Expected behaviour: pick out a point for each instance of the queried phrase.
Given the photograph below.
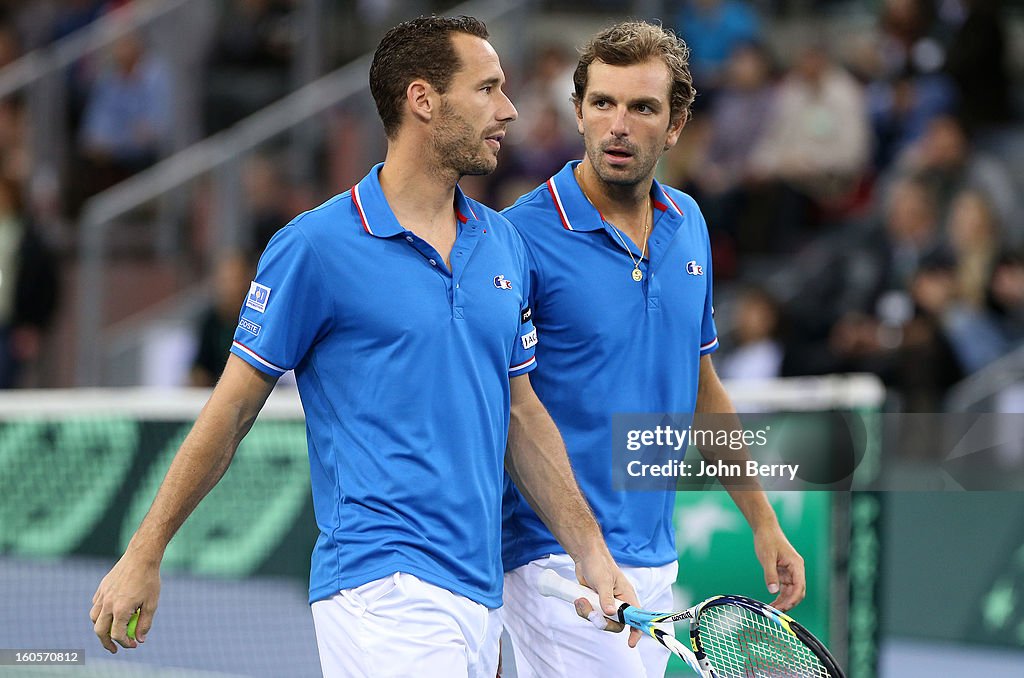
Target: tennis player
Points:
(621, 293)
(402, 307)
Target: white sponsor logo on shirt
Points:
(258, 297)
(250, 327)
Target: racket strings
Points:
(743, 644)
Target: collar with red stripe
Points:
(375, 212)
(578, 214)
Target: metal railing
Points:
(42, 74)
(222, 155)
(98, 35)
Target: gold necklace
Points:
(637, 274)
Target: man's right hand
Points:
(600, 573)
(133, 583)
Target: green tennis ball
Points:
(132, 623)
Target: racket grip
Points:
(552, 585)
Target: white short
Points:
(401, 626)
(550, 639)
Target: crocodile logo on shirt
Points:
(501, 283)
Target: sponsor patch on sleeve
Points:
(258, 297)
(525, 315)
(529, 339)
(250, 327)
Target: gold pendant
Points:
(638, 275)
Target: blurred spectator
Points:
(39, 188)
(817, 134)
(906, 344)
(974, 238)
(255, 34)
(737, 119)
(217, 324)
(907, 41)
(758, 352)
(250, 61)
(977, 62)
(14, 154)
(349, 138)
(973, 335)
(548, 137)
(548, 89)
(1006, 296)
(10, 43)
(924, 364)
(902, 108)
(713, 29)
(856, 304)
(28, 287)
(888, 261)
(945, 159)
(900, 305)
(543, 150)
(814, 149)
(128, 116)
(902, 95)
(267, 199)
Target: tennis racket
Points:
(730, 636)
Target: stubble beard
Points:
(643, 167)
(622, 183)
(457, 146)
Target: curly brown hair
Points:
(634, 42)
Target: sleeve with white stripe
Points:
(523, 359)
(708, 331)
(286, 308)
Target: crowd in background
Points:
(862, 193)
(864, 210)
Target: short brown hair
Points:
(634, 42)
(417, 49)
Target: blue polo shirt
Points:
(403, 369)
(609, 345)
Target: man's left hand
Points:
(783, 567)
